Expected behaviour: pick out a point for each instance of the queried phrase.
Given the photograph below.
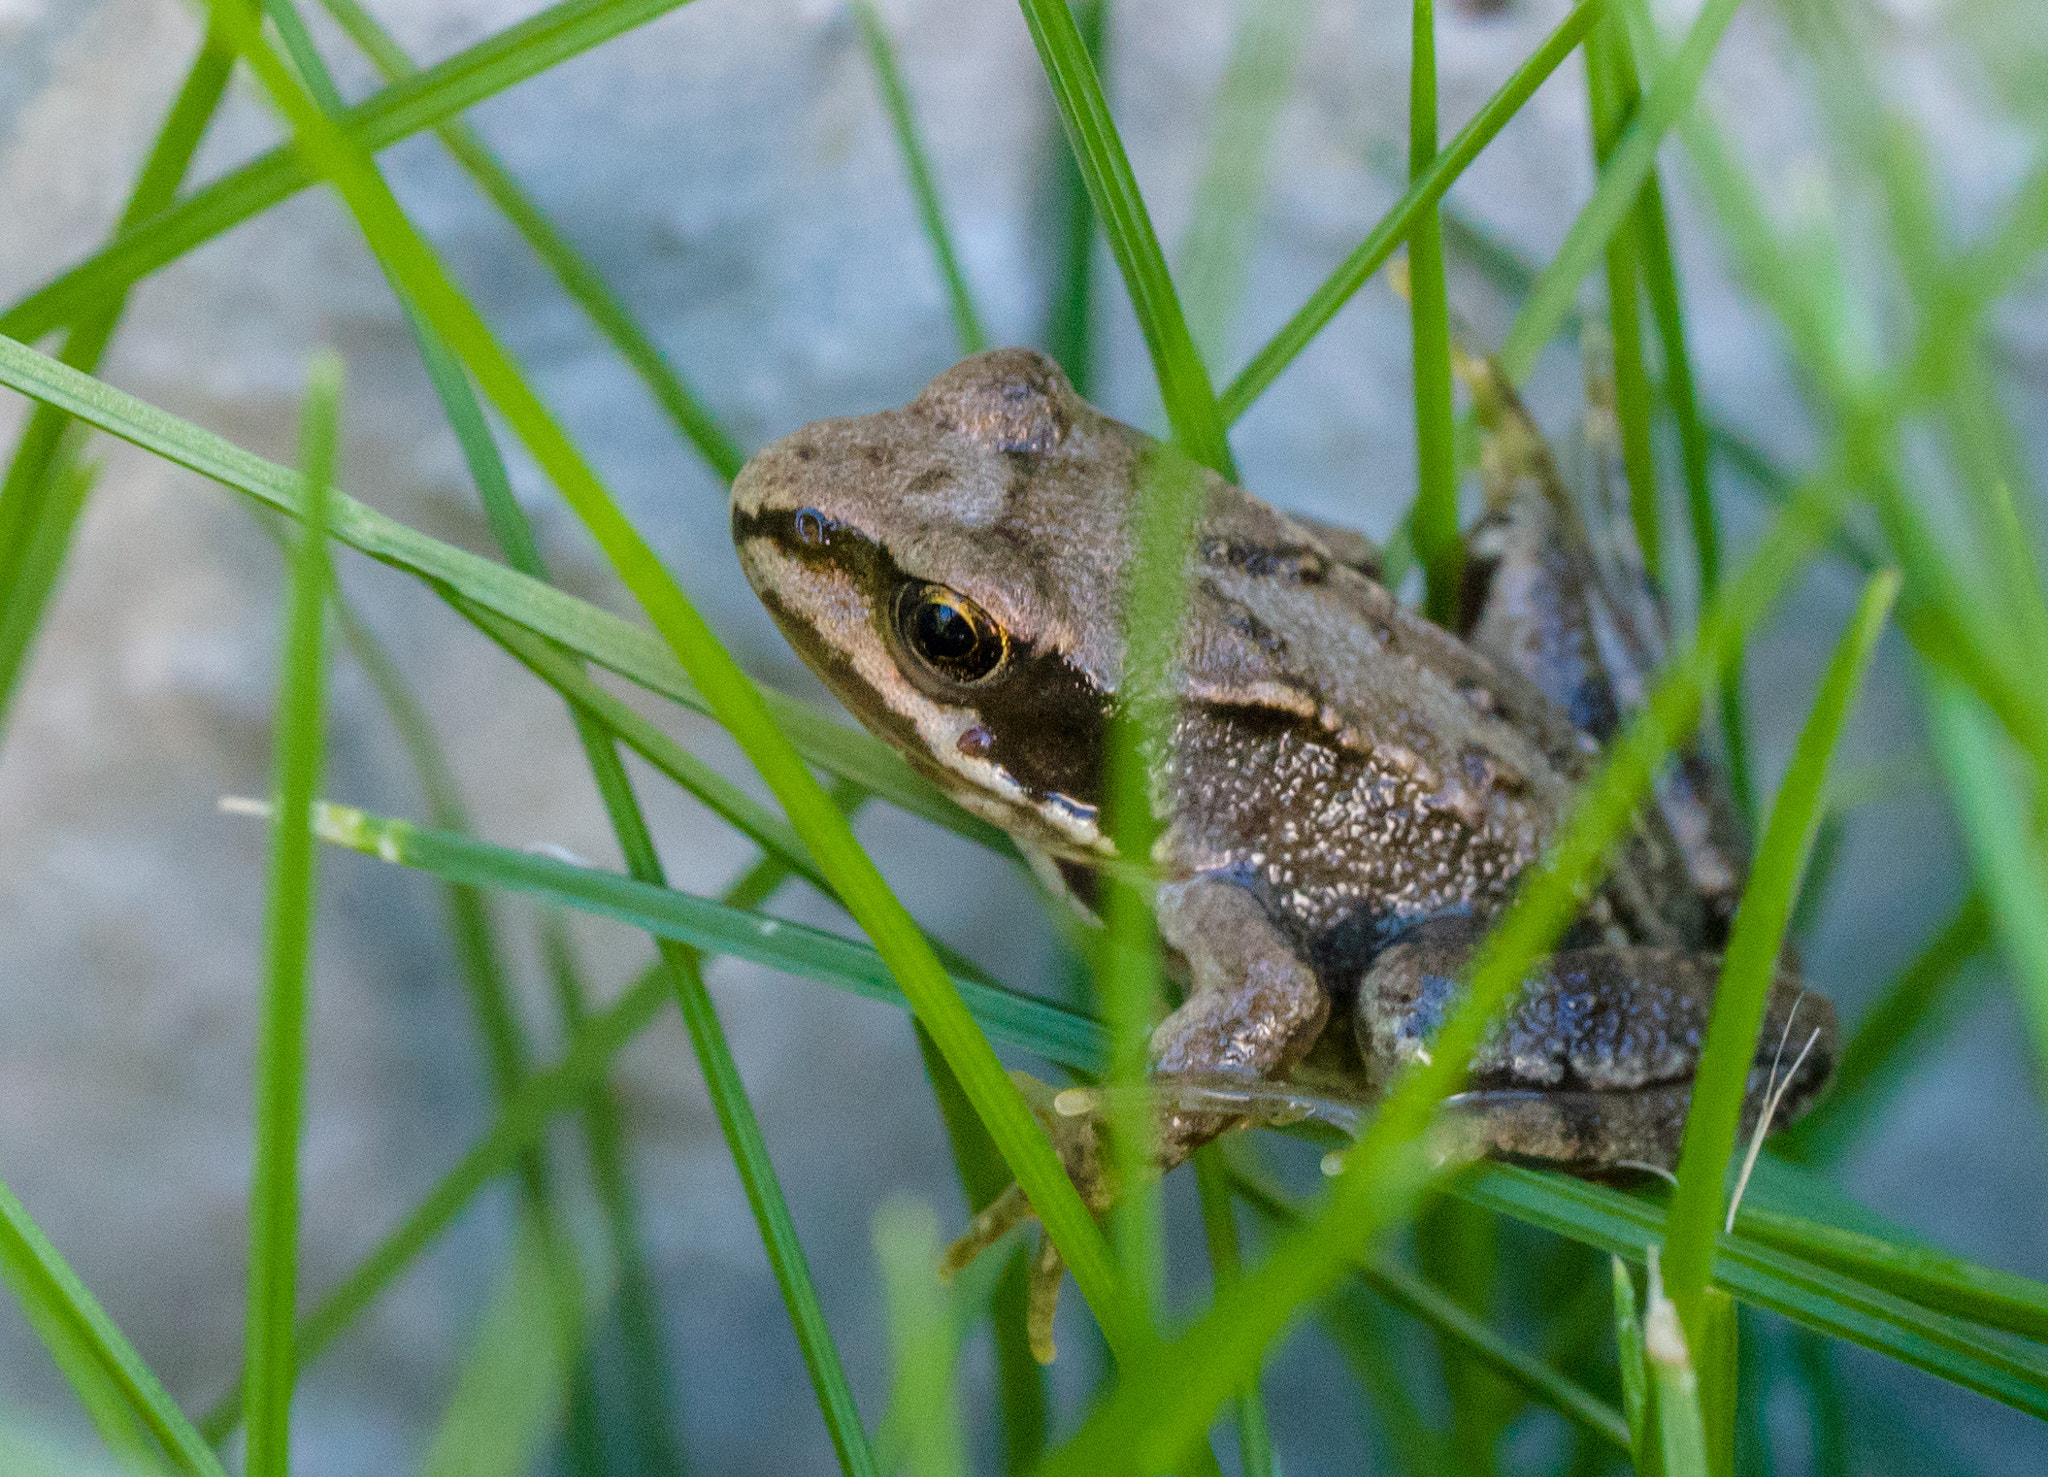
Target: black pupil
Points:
(954, 636)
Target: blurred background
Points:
(730, 171)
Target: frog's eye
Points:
(950, 634)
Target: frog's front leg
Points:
(1592, 1067)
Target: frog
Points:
(1346, 794)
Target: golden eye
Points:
(950, 634)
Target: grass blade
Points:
(494, 64)
(1070, 306)
(924, 189)
(1219, 1227)
(513, 1384)
(1635, 1375)
(649, 1369)
(1091, 134)
(1895, 1033)
(1023, 1020)
(921, 1334)
(1371, 254)
(1611, 87)
(1670, 94)
(606, 310)
(1434, 521)
(1681, 1437)
(1215, 253)
(1750, 964)
(2003, 838)
(281, 1032)
(80, 1335)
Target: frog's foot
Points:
(1591, 1069)
(1077, 1138)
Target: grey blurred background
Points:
(729, 170)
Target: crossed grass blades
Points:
(1969, 604)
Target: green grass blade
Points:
(1219, 1229)
(1670, 94)
(1370, 254)
(576, 625)
(1023, 1020)
(1611, 86)
(42, 495)
(2004, 842)
(1635, 1375)
(79, 1334)
(1091, 133)
(1070, 305)
(1215, 253)
(1749, 967)
(920, 1333)
(1667, 307)
(281, 1031)
(606, 310)
(1894, 1035)
(649, 1367)
(511, 1389)
(924, 189)
(440, 92)
(1434, 521)
(1157, 1413)
(1782, 1280)
(734, 699)
(1681, 1436)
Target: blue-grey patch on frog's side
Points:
(1041, 718)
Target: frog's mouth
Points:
(1024, 749)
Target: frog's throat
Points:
(1024, 754)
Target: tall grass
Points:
(1889, 385)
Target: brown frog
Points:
(1347, 792)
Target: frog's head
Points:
(952, 571)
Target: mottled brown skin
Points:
(1348, 792)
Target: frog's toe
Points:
(1048, 1272)
(985, 1230)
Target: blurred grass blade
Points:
(1434, 520)
(2002, 828)
(1895, 1034)
(967, 330)
(1216, 250)
(1717, 1367)
(649, 1375)
(907, 1246)
(1226, 1265)
(513, 1383)
(606, 310)
(93, 1354)
(1749, 968)
(492, 65)
(1634, 154)
(1091, 133)
(576, 625)
(1371, 254)
(1159, 1411)
(1024, 1020)
(45, 488)
(288, 946)
(735, 700)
